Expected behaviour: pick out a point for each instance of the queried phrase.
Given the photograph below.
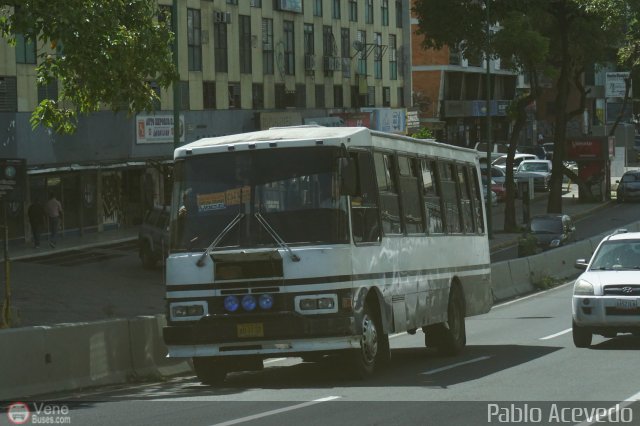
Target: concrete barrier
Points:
(521, 276)
(148, 352)
(43, 359)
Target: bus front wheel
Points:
(370, 344)
(449, 338)
(210, 370)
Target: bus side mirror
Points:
(348, 176)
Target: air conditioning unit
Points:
(332, 63)
(222, 17)
(337, 64)
(309, 62)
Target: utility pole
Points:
(176, 84)
(489, 130)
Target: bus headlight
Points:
(231, 303)
(249, 303)
(316, 304)
(188, 311)
(265, 301)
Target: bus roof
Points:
(307, 135)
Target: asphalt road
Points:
(520, 356)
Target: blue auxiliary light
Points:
(249, 302)
(231, 303)
(265, 301)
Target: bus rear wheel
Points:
(210, 370)
(449, 338)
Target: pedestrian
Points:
(54, 212)
(37, 218)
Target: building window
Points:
(25, 50)
(50, 91)
(393, 57)
(345, 42)
(256, 3)
(289, 49)
(267, 46)
(371, 96)
(234, 96)
(53, 91)
(320, 96)
(384, 13)
(353, 11)
(398, 14)
(185, 104)
(280, 96)
(362, 57)
(194, 41)
(257, 94)
(455, 57)
(355, 97)
(232, 1)
(368, 12)
(245, 44)
(338, 102)
(400, 101)
(317, 7)
(377, 59)
(220, 47)
(209, 95)
(8, 94)
(301, 96)
(335, 9)
(386, 96)
(309, 48)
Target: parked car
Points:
(497, 188)
(538, 170)
(494, 196)
(497, 150)
(546, 232)
(153, 236)
(628, 187)
(497, 174)
(501, 161)
(605, 296)
(537, 150)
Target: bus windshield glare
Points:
(295, 190)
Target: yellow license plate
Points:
(250, 330)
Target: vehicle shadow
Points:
(621, 342)
(409, 367)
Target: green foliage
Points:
(546, 282)
(527, 245)
(101, 53)
(423, 133)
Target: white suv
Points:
(606, 297)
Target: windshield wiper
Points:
(220, 236)
(262, 221)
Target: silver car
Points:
(606, 297)
(538, 170)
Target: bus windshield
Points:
(294, 190)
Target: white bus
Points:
(306, 241)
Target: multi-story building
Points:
(451, 91)
(243, 64)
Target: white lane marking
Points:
(615, 409)
(278, 411)
(448, 367)
(560, 333)
(269, 361)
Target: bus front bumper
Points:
(255, 335)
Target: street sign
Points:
(615, 84)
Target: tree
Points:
(101, 52)
(556, 38)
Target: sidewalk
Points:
(570, 206)
(68, 242)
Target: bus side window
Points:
(364, 208)
(477, 201)
(465, 200)
(431, 194)
(450, 196)
(410, 195)
(388, 190)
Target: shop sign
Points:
(157, 129)
(13, 177)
